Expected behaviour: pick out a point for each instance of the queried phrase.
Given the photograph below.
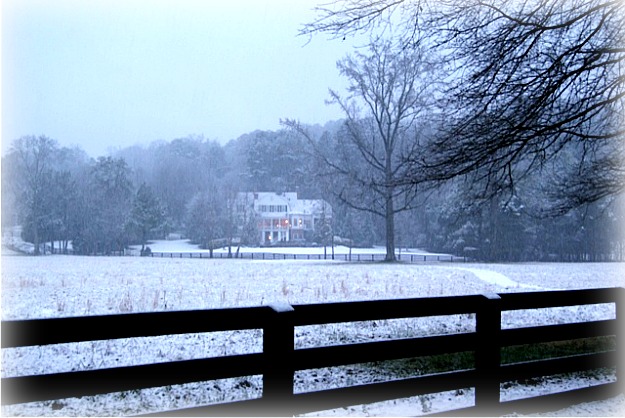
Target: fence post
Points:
(488, 353)
(278, 346)
(620, 338)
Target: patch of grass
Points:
(532, 352)
(513, 354)
(419, 366)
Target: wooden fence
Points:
(407, 257)
(279, 358)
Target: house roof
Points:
(295, 206)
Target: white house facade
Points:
(282, 217)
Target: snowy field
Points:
(60, 286)
(184, 246)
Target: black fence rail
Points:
(411, 258)
(279, 359)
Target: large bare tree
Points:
(533, 78)
(34, 159)
(388, 90)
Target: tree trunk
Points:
(390, 227)
(494, 252)
(390, 207)
(36, 239)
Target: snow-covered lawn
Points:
(187, 249)
(59, 286)
(184, 245)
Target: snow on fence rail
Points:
(279, 359)
(412, 258)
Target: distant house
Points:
(282, 217)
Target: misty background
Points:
(107, 74)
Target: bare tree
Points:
(34, 160)
(532, 77)
(205, 218)
(387, 92)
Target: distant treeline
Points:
(188, 185)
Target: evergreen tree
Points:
(147, 216)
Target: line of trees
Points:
(103, 205)
(58, 195)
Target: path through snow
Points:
(498, 279)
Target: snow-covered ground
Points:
(185, 247)
(59, 286)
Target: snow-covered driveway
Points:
(500, 280)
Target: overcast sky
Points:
(103, 74)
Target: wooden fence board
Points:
(328, 313)
(95, 382)
(546, 299)
(106, 327)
